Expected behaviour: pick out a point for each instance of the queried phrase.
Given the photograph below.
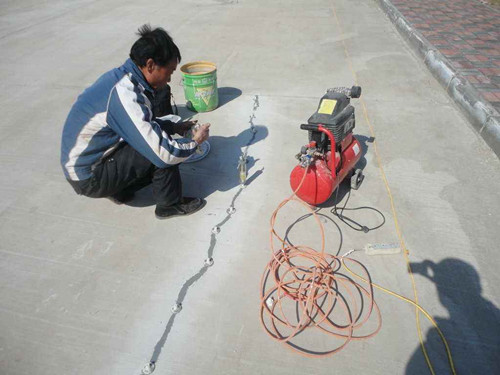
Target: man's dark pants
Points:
(125, 171)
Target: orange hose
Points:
(302, 288)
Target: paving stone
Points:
(465, 32)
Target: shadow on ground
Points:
(227, 94)
(218, 171)
(472, 328)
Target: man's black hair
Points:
(154, 44)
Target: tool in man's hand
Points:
(183, 128)
(200, 132)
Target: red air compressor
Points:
(332, 151)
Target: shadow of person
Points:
(218, 171)
(472, 329)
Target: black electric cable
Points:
(350, 222)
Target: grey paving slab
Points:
(88, 286)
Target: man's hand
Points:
(201, 133)
(183, 127)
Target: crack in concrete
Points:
(150, 367)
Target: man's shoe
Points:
(186, 206)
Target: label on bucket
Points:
(204, 93)
(203, 81)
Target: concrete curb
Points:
(482, 115)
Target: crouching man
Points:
(112, 142)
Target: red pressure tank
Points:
(318, 183)
(324, 174)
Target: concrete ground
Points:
(87, 287)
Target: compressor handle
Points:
(353, 92)
(309, 127)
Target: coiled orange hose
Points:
(302, 289)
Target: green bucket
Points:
(200, 86)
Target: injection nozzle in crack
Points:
(176, 308)
(209, 262)
(256, 102)
(148, 368)
(253, 128)
(242, 169)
